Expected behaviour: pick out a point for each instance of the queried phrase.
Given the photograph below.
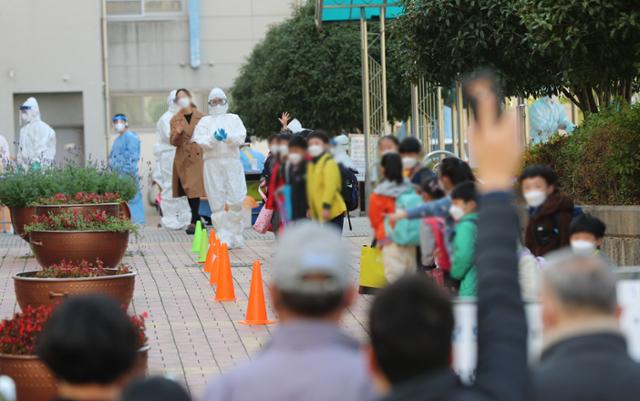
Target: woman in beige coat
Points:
(188, 164)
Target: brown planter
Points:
(33, 380)
(35, 291)
(51, 247)
(141, 364)
(125, 211)
(20, 217)
(111, 209)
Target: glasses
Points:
(217, 102)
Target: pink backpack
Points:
(443, 261)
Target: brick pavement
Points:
(192, 337)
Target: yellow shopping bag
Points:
(371, 269)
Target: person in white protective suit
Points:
(175, 211)
(339, 147)
(547, 116)
(37, 147)
(220, 134)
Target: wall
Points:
(622, 241)
(154, 55)
(49, 48)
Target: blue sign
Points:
(194, 32)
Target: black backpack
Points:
(350, 187)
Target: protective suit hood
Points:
(32, 112)
(295, 126)
(217, 93)
(171, 102)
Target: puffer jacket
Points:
(382, 202)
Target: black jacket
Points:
(297, 178)
(502, 372)
(590, 367)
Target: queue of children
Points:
(447, 220)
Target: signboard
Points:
(465, 331)
(357, 153)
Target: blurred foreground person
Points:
(90, 346)
(585, 354)
(309, 357)
(37, 147)
(411, 321)
(155, 389)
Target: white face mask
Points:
(274, 149)
(217, 110)
(295, 158)
(184, 102)
(315, 150)
(535, 198)
(283, 150)
(456, 212)
(409, 162)
(583, 247)
(120, 127)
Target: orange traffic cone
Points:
(256, 310)
(224, 290)
(211, 253)
(214, 271)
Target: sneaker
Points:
(191, 229)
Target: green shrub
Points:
(19, 188)
(600, 162)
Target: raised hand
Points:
(284, 119)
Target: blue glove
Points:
(220, 135)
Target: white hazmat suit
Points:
(220, 134)
(176, 214)
(339, 150)
(37, 139)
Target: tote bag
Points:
(371, 270)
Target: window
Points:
(143, 111)
(140, 9)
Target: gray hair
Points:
(581, 281)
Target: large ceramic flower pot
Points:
(51, 247)
(125, 211)
(36, 291)
(111, 209)
(20, 217)
(33, 380)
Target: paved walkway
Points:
(192, 337)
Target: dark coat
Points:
(502, 328)
(548, 226)
(188, 167)
(590, 367)
(297, 178)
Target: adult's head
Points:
(311, 278)
(410, 325)
(297, 149)
(538, 182)
(155, 389)
(217, 100)
(184, 99)
(29, 111)
(410, 150)
(120, 123)
(391, 164)
(586, 233)
(318, 142)
(453, 171)
(577, 288)
(388, 144)
(88, 341)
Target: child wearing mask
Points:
(432, 231)
(398, 260)
(586, 234)
(550, 211)
(411, 152)
(278, 180)
(265, 177)
(386, 144)
(463, 211)
(297, 177)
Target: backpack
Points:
(443, 261)
(350, 187)
(406, 232)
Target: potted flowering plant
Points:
(84, 202)
(20, 189)
(75, 236)
(53, 283)
(18, 339)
